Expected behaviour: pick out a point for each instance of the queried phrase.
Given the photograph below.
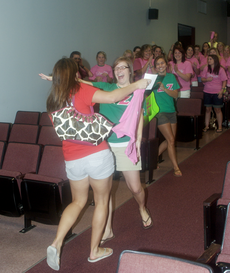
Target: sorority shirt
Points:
(99, 70)
(164, 101)
(82, 102)
(214, 86)
(184, 68)
(113, 111)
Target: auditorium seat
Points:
(136, 262)
(149, 148)
(46, 194)
(27, 117)
(190, 120)
(218, 255)
(44, 119)
(24, 133)
(5, 131)
(48, 135)
(2, 152)
(215, 208)
(20, 158)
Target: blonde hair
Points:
(128, 51)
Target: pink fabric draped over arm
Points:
(129, 122)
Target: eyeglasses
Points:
(77, 58)
(120, 68)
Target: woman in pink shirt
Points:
(204, 51)
(214, 79)
(183, 71)
(195, 64)
(220, 48)
(101, 72)
(227, 61)
(214, 51)
(144, 63)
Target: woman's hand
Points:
(98, 79)
(143, 83)
(150, 59)
(45, 77)
(209, 79)
(194, 65)
(176, 68)
(220, 94)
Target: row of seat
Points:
(27, 133)
(33, 182)
(32, 117)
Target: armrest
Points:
(212, 199)
(209, 254)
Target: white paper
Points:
(152, 77)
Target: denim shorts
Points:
(163, 118)
(99, 165)
(212, 100)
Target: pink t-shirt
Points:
(227, 72)
(184, 68)
(138, 64)
(99, 70)
(214, 86)
(192, 61)
(223, 62)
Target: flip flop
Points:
(53, 258)
(101, 257)
(106, 240)
(145, 222)
(177, 173)
(205, 129)
(219, 130)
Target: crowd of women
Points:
(113, 87)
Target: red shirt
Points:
(83, 101)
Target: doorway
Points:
(186, 35)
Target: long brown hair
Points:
(216, 68)
(64, 84)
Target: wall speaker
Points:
(153, 14)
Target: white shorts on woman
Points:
(99, 165)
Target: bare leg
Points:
(219, 117)
(101, 190)
(163, 146)
(133, 182)
(79, 191)
(207, 116)
(108, 233)
(169, 131)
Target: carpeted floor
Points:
(176, 208)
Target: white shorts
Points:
(99, 165)
(184, 94)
